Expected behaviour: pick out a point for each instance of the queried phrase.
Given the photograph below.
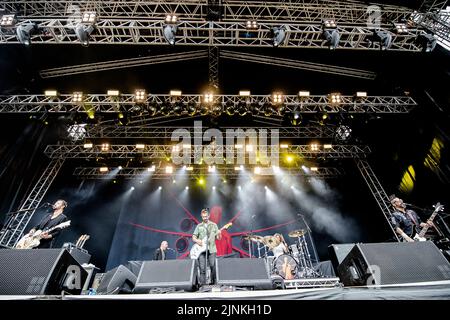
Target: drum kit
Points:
(294, 264)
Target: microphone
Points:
(48, 204)
(254, 216)
(170, 249)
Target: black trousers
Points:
(202, 267)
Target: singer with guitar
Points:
(406, 222)
(207, 231)
(49, 221)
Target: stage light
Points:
(214, 187)
(7, 20)
(187, 146)
(427, 41)
(23, 32)
(120, 168)
(244, 93)
(237, 168)
(384, 37)
(329, 24)
(190, 168)
(77, 97)
(175, 148)
(113, 93)
(83, 33)
(361, 94)
(304, 168)
(201, 181)
(239, 187)
(103, 169)
(289, 159)
(284, 146)
(171, 18)
(292, 187)
(132, 188)
(335, 98)
(224, 181)
(170, 32)
(314, 147)
(105, 147)
(257, 170)
(252, 25)
(89, 18)
(174, 181)
(249, 148)
(169, 169)
(50, 93)
(265, 187)
(343, 133)
(279, 34)
(401, 28)
(186, 188)
(327, 146)
(140, 96)
(208, 97)
(88, 145)
(151, 169)
(159, 188)
(114, 181)
(211, 168)
(296, 119)
(314, 169)
(140, 146)
(303, 94)
(238, 146)
(175, 93)
(277, 98)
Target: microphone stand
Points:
(250, 244)
(310, 237)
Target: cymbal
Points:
(297, 233)
(271, 241)
(253, 238)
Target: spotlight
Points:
(7, 20)
(385, 39)
(361, 94)
(88, 145)
(265, 187)
(169, 32)
(314, 147)
(284, 146)
(314, 169)
(89, 18)
(252, 25)
(329, 24)
(105, 147)
(120, 168)
(327, 146)
(175, 93)
(190, 168)
(257, 170)
(277, 98)
(401, 28)
(171, 18)
(211, 168)
(141, 182)
(427, 41)
(244, 93)
(174, 181)
(343, 133)
(201, 181)
(208, 98)
(186, 188)
(159, 188)
(113, 93)
(83, 32)
(289, 159)
(140, 146)
(23, 33)
(152, 168)
(214, 187)
(303, 93)
(292, 187)
(169, 169)
(51, 93)
(103, 169)
(304, 168)
(335, 98)
(140, 96)
(239, 187)
(296, 119)
(77, 97)
(132, 188)
(279, 34)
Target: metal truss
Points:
(162, 152)
(123, 63)
(194, 104)
(438, 23)
(211, 33)
(147, 132)
(433, 5)
(313, 11)
(213, 66)
(296, 64)
(15, 227)
(311, 283)
(377, 190)
(227, 171)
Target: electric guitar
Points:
(197, 250)
(421, 235)
(82, 240)
(30, 241)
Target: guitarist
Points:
(207, 230)
(406, 222)
(50, 221)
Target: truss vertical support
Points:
(14, 228)
(213, 64)
(432, 6)
(377, 190)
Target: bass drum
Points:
(286, 267)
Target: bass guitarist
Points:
(209, 232)
(406, 222)
(49, 221)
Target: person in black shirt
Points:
(160, 253)
(49, 221)
(406, 222)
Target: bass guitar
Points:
(30, 241)
(197, 250)
(421, 235)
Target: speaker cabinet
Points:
(338, 252)
(179, 274)
(250, 273)
(117, 280)
(393, 263)
(39, 272)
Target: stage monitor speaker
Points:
(249, 273)
(178, 274)
(39, 272)
(393, 263)
(117, 280)
(338, 252)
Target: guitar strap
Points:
(411, 217)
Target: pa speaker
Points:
(39, 272)
(178, 274)
(393, 263)
(338, 252)
(117, 280)
(250, 273)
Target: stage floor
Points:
(425, 291)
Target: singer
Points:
(160, 253)
(406, 222)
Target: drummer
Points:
(282, 247)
